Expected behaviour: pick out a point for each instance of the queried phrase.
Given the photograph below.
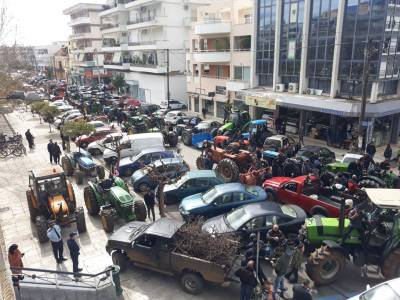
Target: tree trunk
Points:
(50, 127)
(161, 200)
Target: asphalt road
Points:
(137, 283)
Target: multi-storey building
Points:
(219, 63)
(310, 64)
(143, 40)
(86, 60)
(44, 54)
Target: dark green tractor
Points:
(135, 124)
(331, 242)
(110, 198)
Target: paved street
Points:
(137, 283)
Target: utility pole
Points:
(365, 77)
(168, 95)
(97, 65)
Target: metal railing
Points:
(108, 26)
(212, 50)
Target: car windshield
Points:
(252, 190)
(237, 218)
(53, 186)
(289, 211)
(272, 143)
(348, 159)
(209, 196)
(383, 291)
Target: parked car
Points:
(16, 95)
(132, 145)
(279, 143)
(97, 124)
(325, 155)
(161, 112)
(64, 108)
(100, 133)
(220, 199)
(389, 290)
(175, 117)
(193, 182)
(255, 217)
(33, 96)
(59, 122)
(128, 165)
(98, 147)
(170, 167)
(148, 109)
(173, 104)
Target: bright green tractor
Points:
(238, 120)
(111, 198)
(330, 243)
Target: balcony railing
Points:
(213, 21)
(108, 26)
(141, 65)
(141, 43)
(214, 76)
(111, 45)
(142, 19)
(212, 50)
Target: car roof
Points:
(164, 227)
(200, 174)
(384, 198)
(232, 187)
(262, 208)
(142, 136)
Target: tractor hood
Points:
(122, 196)
(86, 162)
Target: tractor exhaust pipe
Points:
(341, 213)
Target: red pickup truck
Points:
(100, 133)
(307, 193)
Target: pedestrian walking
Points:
(54, 235)
(150, 202)
(248, 280)
(295, 263)
(204, 112)
(281, 267)
(50, 149)
(388, 152)
(30, 138)
(74, 253)
(371, 150)
(302, 291)
(15, 261)
(56, 153)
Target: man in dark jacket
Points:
(50, 149)
(371, 150)
(248, 280)
(302, 292)
(150, 202)
(388, 152)
(74, 253)
(30, 138)
(56, 153)
(281, 267)
(275, 236)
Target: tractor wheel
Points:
(192, 283)
(228, 169)
(67, 166)
(120, 260)
(368, 183)
(324, 265)
(100, 172)
(79, 177)
(201, 163)
(391, 266)
(41, 228)
(33, 212)
(187, 138)
(107, 220)
(172, 139)
(90, 201)
(139, 209)
(80, 220)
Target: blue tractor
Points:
(203, 131)
(80, 164)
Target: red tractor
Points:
(230, 162)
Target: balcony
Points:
(79, 21)
(147, 21)
(138, 3)
(212, 27)
(111, 28)
(212, 56)
(147, 45)
(82, 36)
(116, 66)
(120, 7)
(148, 68)
(237, 85)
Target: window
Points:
(383, 291)
(201, 182)
(255, 224)
(242, 43)
(237, 197)
(146, 241)
(242, 73)
(224, 199)
(291, 186)
(191, 183)
(270, 220)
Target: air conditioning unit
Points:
(293, 87)
(310, 91)
(280, 87)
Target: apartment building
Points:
(310, 62)
(144, 40)
(85, 43)
(60, 62)
(44, 54)
(219, 64)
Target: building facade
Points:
(219, 62)
(60, 62)
(145, 40)
(85, 43)
(44, 55)
(310, 61)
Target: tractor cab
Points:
(238, 120)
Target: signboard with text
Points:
(262, 102)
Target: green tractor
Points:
(238, 120)
(331, 241)
(110, 198)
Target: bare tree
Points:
(5, 22)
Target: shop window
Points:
(220, 109)
(196, 104)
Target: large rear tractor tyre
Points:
(228, 169)
(192, 283)
(79, 177)
(368, 183)
(325, 265)
(140, 211)
(67, 166)
(33, 212)
(187, 138)
(107, 220)
(100, 172)
(172, 139)
(120, 260)
(80, 220)
(391, 266)
(41, 228)
(90, 201)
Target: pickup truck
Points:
(151, 246)
(304, 191)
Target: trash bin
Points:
(116, 279)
